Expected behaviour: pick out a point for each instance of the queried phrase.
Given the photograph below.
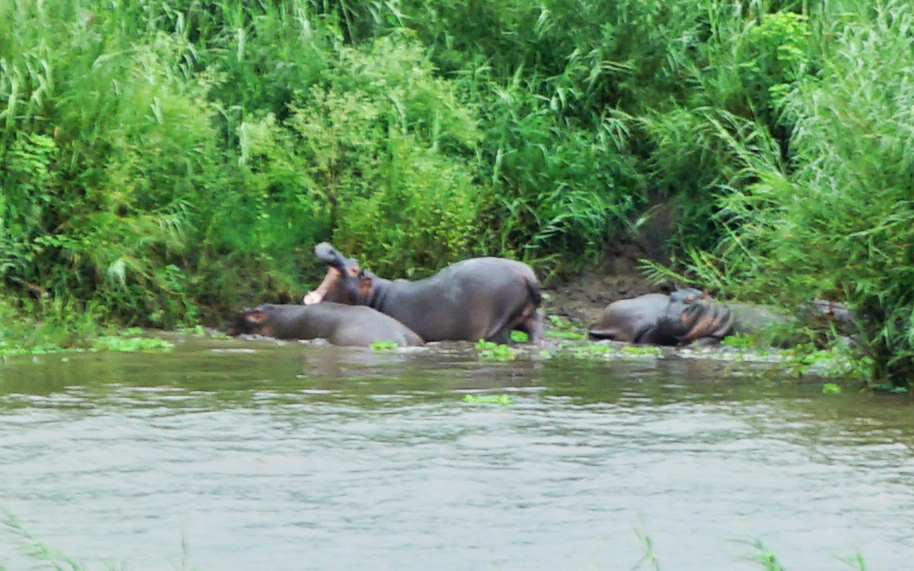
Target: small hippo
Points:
(338, 323)
(682, 317)
(634, 321)
(693, 315)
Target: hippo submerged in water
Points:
(339, 324)
(479, 298)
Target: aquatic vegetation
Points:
(649, 556)
(195, 330)
(835, 361)
(739, 342)
(131, 344)
(831, 389)
(565, 335)
(7, 349)
(383, 346)
(594, 350)
(519, 336)
(489, 351)
(503, 399)
(639, 350)
(35, 548)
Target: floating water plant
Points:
(383, 346)
(641, 350)
(519, 337)
(503, 400)
(831, 389)
(131, 344)
(490, 351)
(564, 334)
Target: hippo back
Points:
(633, 320)
(479, 298)
(338, 323)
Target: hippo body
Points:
(685, 316)
(340, 324)
(691, 316)
(634, 321)
(479, 298)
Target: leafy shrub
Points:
(839, 223)
(380, 142)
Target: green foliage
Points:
(46, 326)
(376, 143)
(846, 197)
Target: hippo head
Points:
(687, 307)
(345, 281)
(694, 315)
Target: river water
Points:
(226, 455)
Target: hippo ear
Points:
(365, 282)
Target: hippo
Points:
(634, 320)
(479, 298)
(685, 316)
(340, 324)
(692, 315)
(689, 316)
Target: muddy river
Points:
(226, 455)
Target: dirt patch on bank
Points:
(581, 298)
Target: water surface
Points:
(239, 455)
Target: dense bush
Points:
(839, 223)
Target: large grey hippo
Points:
(479, 298)
(340, 324)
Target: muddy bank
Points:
(582, 298)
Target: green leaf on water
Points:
(503, 400)
(131, 344)
(565, 335)
(519, 337)
(831, 389)
(490, 351)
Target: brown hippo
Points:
(338, 323)
(479, 298)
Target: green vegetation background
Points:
(165, 162)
